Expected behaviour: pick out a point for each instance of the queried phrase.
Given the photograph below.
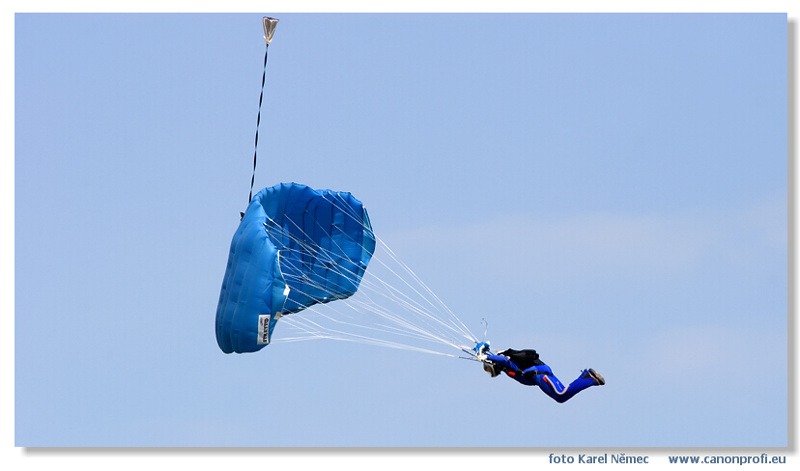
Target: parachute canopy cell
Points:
(295, 247)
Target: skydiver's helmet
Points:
(492, 368)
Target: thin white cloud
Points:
(611, 242)
(715, 351)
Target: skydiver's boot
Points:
(596, 377)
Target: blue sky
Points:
(608, 189)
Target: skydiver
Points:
(526, 367)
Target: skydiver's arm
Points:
(537, 370)
(532, 371)
(501, 361)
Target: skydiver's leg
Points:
(551, 385)
(548, 382)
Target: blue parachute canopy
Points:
(295, 247)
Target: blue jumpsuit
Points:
(543, 377)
